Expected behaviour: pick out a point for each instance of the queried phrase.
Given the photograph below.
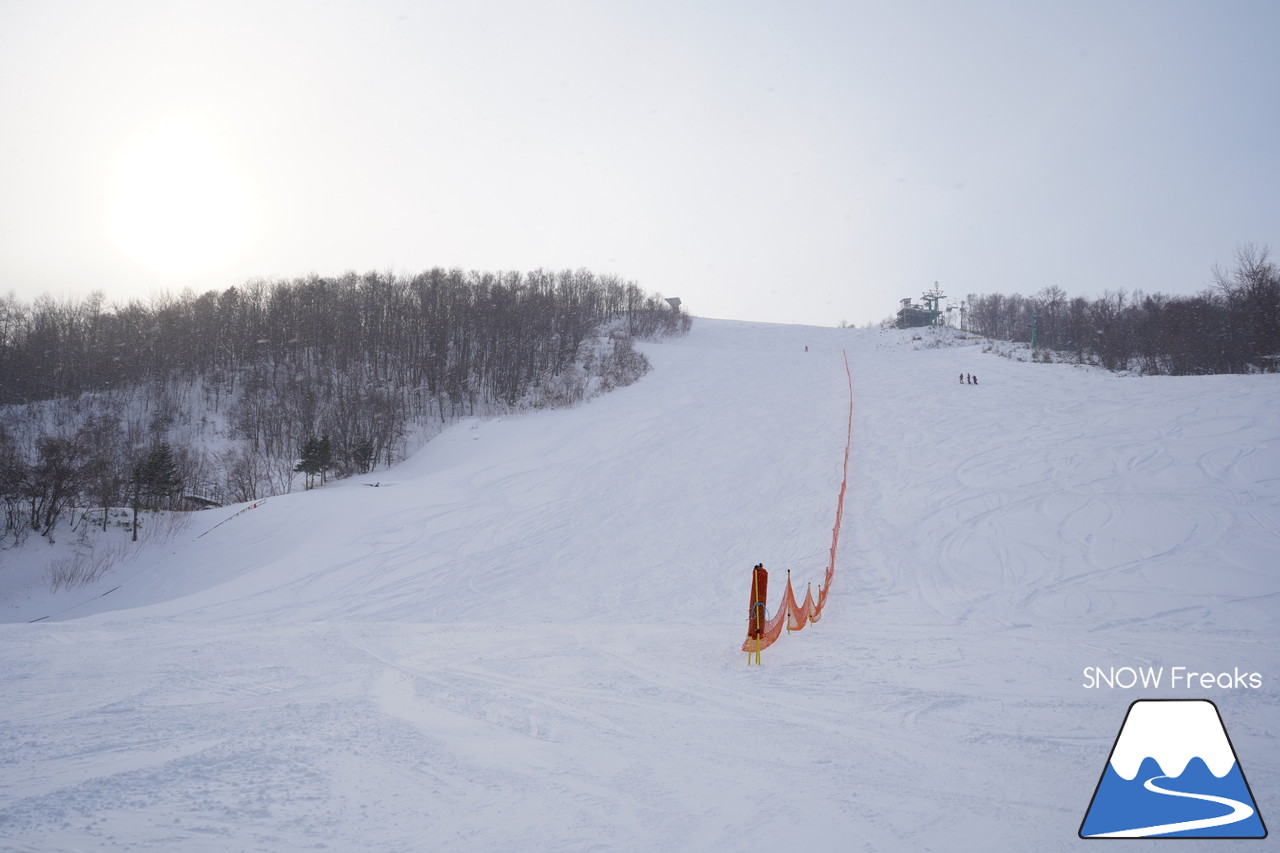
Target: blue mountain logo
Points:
(1172, 773)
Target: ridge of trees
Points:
(230, 394)
(1232, 327)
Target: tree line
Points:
(246, 387)
(1231, 327)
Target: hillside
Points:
(526, 636)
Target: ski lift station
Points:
(911, 315)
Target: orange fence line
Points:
(790, 614)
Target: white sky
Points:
(789, 161)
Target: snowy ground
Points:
(526, 637)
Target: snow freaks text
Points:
(1176, 677)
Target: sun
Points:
(180, 205)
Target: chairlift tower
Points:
(932, 299)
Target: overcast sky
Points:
(792, 162)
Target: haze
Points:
(785, 162)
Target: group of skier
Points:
(968, 378)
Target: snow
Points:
(527, 636)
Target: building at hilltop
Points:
(911, 315)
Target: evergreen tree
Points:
(155, 476)
(317, 458)
(362, 456)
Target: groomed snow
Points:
(527, 636)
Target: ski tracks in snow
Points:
(1064, 513)
(532, 642)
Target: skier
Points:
(969, 378)
(975, 380)
(961, 378)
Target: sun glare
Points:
(180, 204)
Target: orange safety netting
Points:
(791, 614)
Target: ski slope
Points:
(527, 636)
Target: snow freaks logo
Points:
(1152, 678)
(1172, 773)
